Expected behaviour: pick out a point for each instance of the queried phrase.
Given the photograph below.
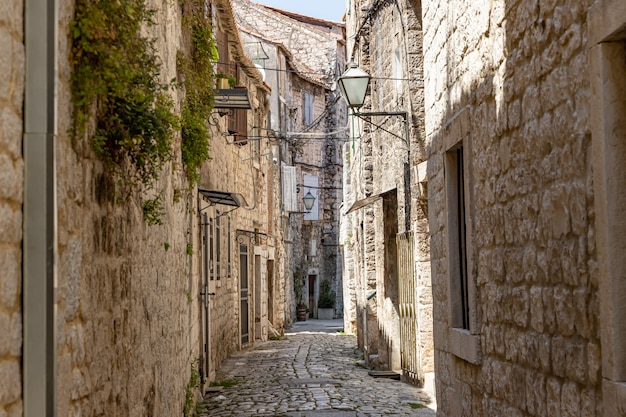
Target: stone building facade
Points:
(525, 141)
(100, 313)
(384, 222)
(301, 57)
(11, 201)
(241, 290)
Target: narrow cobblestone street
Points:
(314, 370)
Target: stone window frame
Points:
(462, 342)
(607, 70)
(457, 205)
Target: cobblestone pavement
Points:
(313, 371)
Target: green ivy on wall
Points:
(195, 70)
(115, 84)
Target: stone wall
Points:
(249, 171)
(244, 168)
(303, 55)
(127, 334)
(509, 81)
(129, 320)
(382, 192)
(313, 44)
(11, 199)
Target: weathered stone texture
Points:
(11, 190)
(128, 297)
(310, 51)
(381, 166)
(517, 71)
(125, 339)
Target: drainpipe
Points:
(39, 216)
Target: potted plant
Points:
(224, 81)
(326, 301)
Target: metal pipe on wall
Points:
(39, 215)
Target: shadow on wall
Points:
(524, 132)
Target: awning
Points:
(369, 200)
(231, 98)
(223, 197)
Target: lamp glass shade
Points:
(309, 199)
(353, 85)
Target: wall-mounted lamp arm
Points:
(403, 114)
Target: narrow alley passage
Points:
(313, 371)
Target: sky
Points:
(324, 9)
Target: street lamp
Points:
(308, 199)
(353, 85)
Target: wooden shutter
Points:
(290, 202)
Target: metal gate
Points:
(409, 351)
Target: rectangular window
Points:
(229, 270)
(308, 108)
(238, 125)
(211, 254)
(218, 251)
(238, 118)
(463, 327)
(398, 74)
(205, 247)
(223, 52)
(457, 239)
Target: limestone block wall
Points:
(285, 113)
(384, 39)
(127, 333)
(314, 45)
(509, 81)
(128, 325)
(304, 55)
(11, 191)
(315, 154)
(245, 169)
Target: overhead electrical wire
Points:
(320, 74)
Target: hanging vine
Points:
(120, 105)
(195, 70)
(116, 85)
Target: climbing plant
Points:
(190, 391)
(116, 86)
(195, 70)
(120, 104)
